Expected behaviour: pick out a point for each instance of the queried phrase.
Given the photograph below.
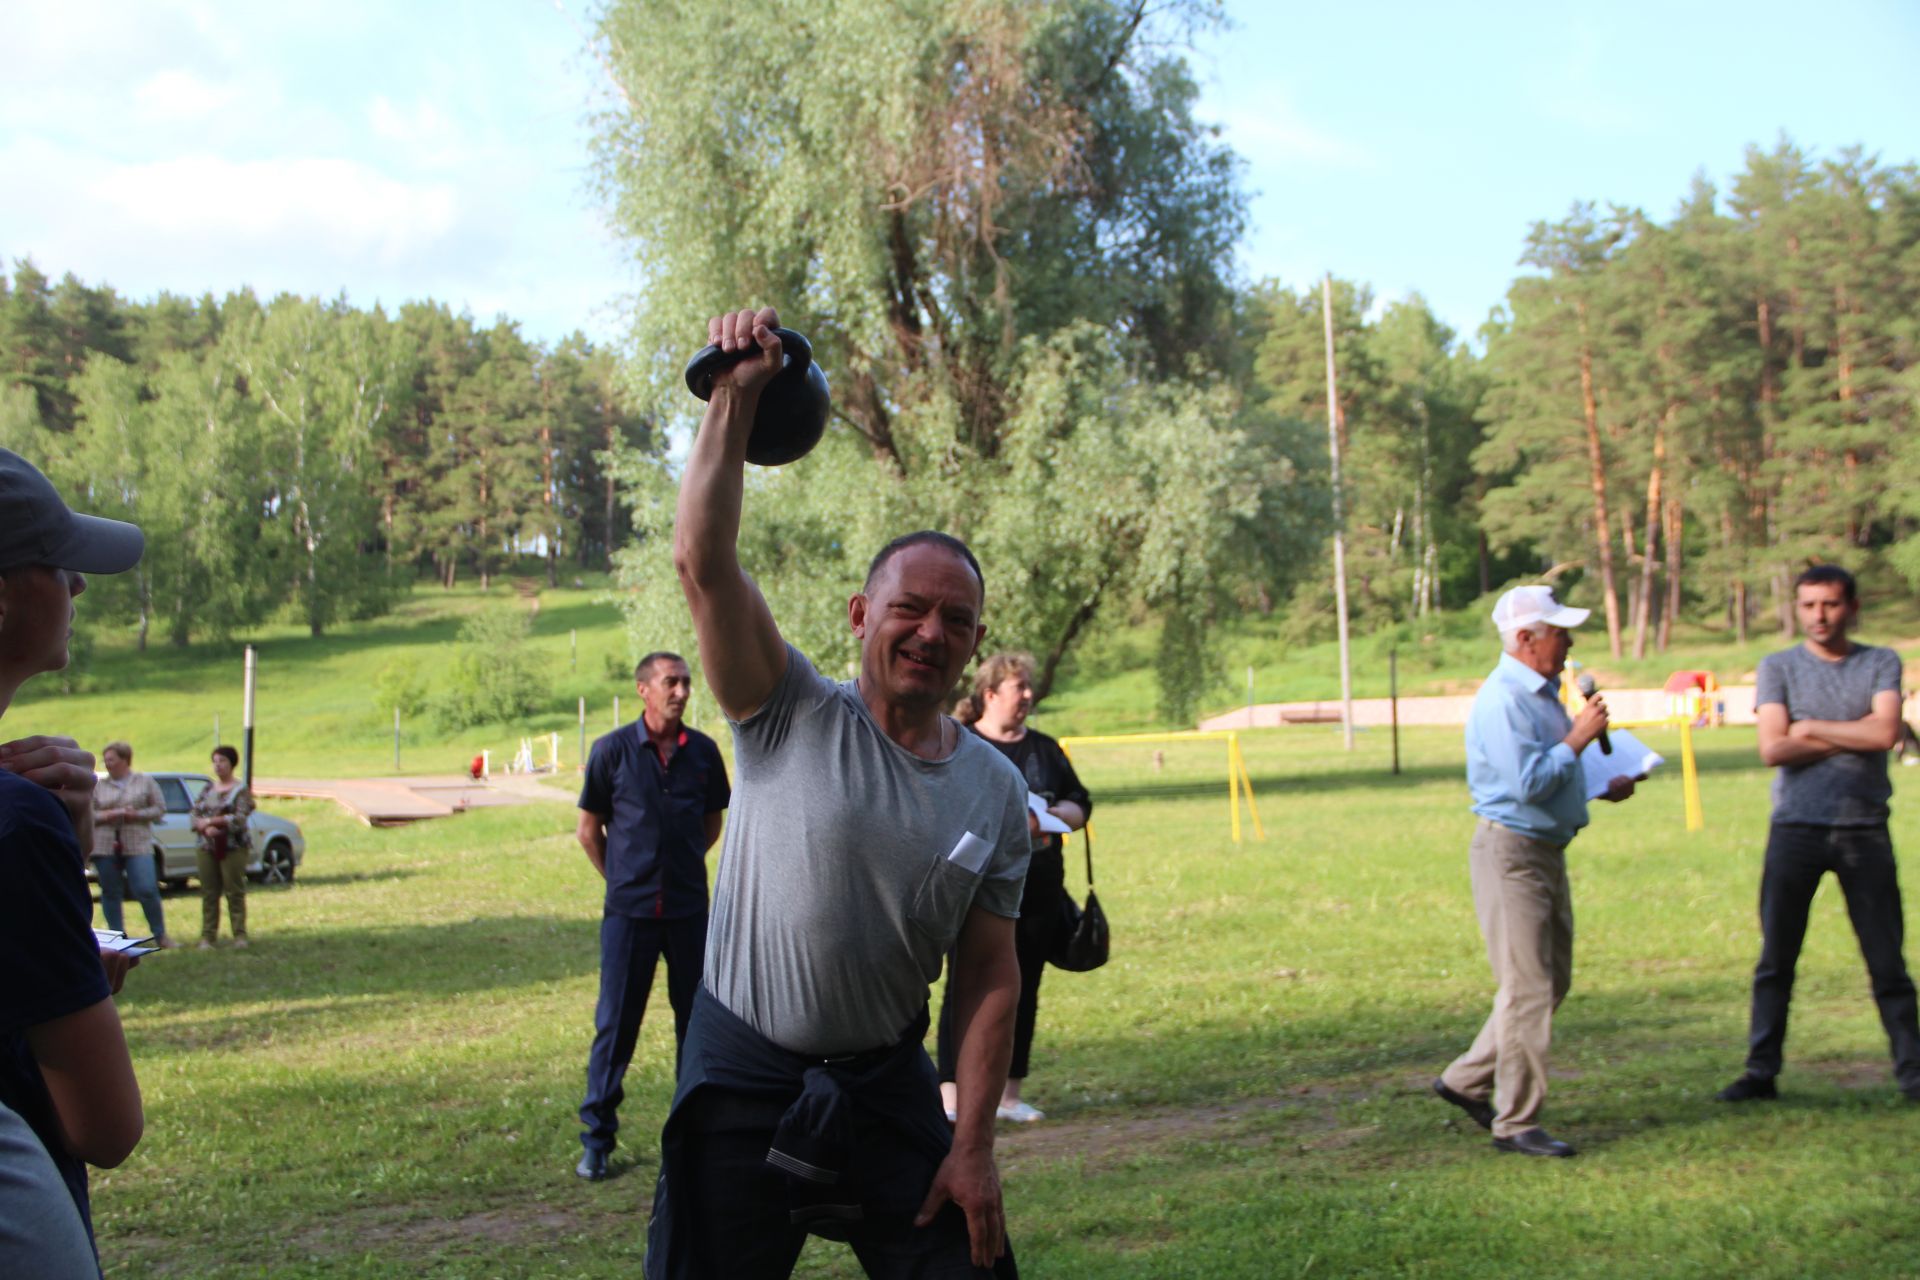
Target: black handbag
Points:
(1081, 943)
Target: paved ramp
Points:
(386, 802)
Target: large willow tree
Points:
(974, 210)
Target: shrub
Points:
(493, 678)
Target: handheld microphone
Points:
(1587, 690)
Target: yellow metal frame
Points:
(1689, 770)
(1237, 775)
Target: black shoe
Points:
(1533, 1142)
(1749, 1088)
(1479, 1108)
(592, 1166)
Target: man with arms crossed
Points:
(649, 811)
(1829, 711)
(1523, 769)
(871, 835)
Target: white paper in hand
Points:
(1038, 803)
(971, 853)
(1631, 758)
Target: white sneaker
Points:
(1021, 1113)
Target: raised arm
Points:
(740, 646)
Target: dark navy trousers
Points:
(630, 950)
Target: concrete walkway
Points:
(385, 802)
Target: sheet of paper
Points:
(971, 853)
(1631, 758)
(111, 940)
(1038, 803)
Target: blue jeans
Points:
(142, 881)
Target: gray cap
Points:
(37, 527)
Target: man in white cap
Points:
(1523, 769)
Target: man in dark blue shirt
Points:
(649, 812)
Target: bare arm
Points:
(89, 1074)
(985, 986)
(1878, 730)
(740, 645)
(1778, 746)
(1069, 812)
(592, 834)
(711, 827)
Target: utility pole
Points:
(1339, 520)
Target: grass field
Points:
(384, 1086)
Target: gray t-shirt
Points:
(849, 865)
(1849, 789)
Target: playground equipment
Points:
(523, 761)
(1690, 694)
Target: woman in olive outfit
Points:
(220, 819)
(997, 709)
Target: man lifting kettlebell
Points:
(870, 835)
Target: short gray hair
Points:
(1510, 640)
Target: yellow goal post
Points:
(1238, 780)
(1689, 769)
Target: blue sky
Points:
(398, 150)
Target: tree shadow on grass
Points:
(430, 961)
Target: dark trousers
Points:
(630, 950)
(737, 1203)
(1033, 939)
(1862, 859)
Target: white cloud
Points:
(1277, 134)
(176, 96)
(351, 210)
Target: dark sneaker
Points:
(592, 1166)
(1749, 1088)
(1479, 1108)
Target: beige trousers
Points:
(1521, 895)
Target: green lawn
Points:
(384, 1085)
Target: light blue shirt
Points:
(1521, 774)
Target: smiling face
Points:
(1825, 612)
(918, 626)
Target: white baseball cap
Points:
(1525, 606)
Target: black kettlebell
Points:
(792, 415)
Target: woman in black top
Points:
(997, 709)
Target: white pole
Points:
(247, 717)
(1339, 520)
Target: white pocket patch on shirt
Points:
(971, 853)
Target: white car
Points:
(278, 846)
